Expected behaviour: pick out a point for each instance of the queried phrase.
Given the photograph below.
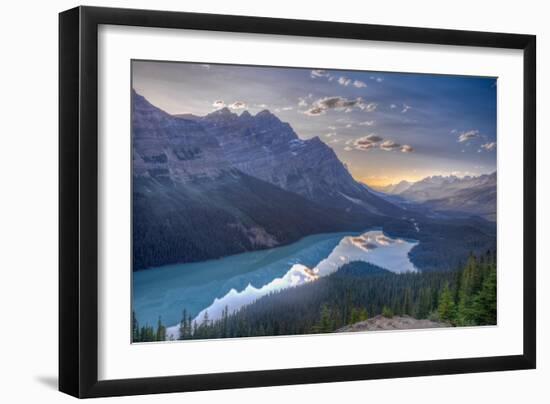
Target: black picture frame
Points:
(78, 201)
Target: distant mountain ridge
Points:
(394, 189)
(474, 195)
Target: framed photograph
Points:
(251, 201)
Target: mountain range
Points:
(469, 195)
(206, 187)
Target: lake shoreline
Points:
(256, 274)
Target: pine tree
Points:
(485, 304)
(183, 330)
(224, 322)
(470, 283)
(325, 322)
(407, 302)
(161, 331)
(354, 316)
(135, 328)
(425, 303)
(205, 319)
(387, 312)
(446, 309)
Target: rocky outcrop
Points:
(381, 323)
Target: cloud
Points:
(389, 145)
(302, 102)
(393, 106)
(372, 138)
(322, 105)
(468, 135)
(344, 81)
(405, 108)
(377, 79)
(367, 142)
(315, 111)
(286, 109)
(489, 146)
(369, 107)
(318, 73)
(374, 141)
(365, 146)
(237, 105)
(218, 104)
(331, 134)
(366, 123)
(336, 102)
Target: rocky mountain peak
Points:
(245, 115)
(222, 112)
(266, 115)
(261, 146)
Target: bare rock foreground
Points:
(380, 323)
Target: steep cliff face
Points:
(267, 148)
(261, 146)
(172, 149)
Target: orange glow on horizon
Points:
(383, 181)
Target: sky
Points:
(386, 127)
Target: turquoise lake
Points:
(165, 291)
(235, 281)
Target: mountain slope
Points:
(212, 186)
(480, 200)
(211, 218)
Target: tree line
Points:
(466, 296)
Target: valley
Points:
(234, 216)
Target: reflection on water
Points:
(240, 279)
